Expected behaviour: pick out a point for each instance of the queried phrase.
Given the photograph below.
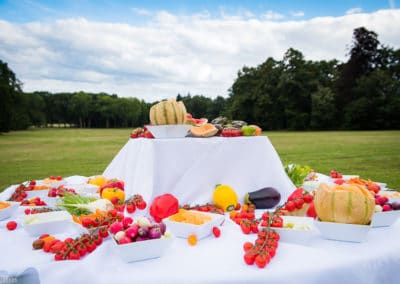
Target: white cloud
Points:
(271, 15)
(356, 10)
(172, 54)
(140, 11)
(297, 13)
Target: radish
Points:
(132, 231)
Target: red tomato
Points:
(11, 225)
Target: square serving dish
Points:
(54, 222)
(385, 219)
(343, 232)
(7, 212)
(169, 131)
(142, 250)
(183, 230)
(296, 229)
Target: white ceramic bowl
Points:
(143, 250)
(9, 211)
(342, 231)
(302, 230)
(47, 223)
(385, 219)
(169, 131)
(183, 230)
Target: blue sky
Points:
(157, 49)
(138, 11)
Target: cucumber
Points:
(264, 198)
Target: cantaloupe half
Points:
(205, 130)
(347, 203)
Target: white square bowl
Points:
(302, 231)
(148, 249)
(169, 131)
(385, 219)
(183, 230)
(54, 222)
(343, 232)
(9, 211)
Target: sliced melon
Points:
(205, 130)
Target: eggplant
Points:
(264, 198)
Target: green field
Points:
(39, 153)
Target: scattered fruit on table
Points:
(192, 239)
(299, 203)
(110, 192)
(263, 249)
(264, 198)
(141, 132)
(34, 201)
(231, 132)
(112, 183)
(133, 203)
(164, 206)
(205, 208)
(168, 112)
(195, 121)
(11, 225)
(204, 130)
(137, 231)
(335, 174)
(346, 203)
(368, 184)
(34, 210)
(216, 232)
(97, 180)
(382, 203)
(4, 205)
(59, 191)
(190, 217)
(225, 197)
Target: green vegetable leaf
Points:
(297, 173)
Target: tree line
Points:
(291, 93)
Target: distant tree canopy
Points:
(292, 93)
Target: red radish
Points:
(116, 227)
(132, 231)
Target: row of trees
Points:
(292, 93)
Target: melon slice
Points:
(205, 130)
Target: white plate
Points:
(47, 223)
(342, 231)
(302, 231)
(169, 131)
(385, 219)
(143, 250)
(183, 230)
(9, 211)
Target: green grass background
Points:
(39, 153)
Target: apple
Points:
(248, 130)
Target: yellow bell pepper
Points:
(225, 197)
(110, 192)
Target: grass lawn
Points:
(39, 153)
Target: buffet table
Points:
(190, 168)
(212, 260)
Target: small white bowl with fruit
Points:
(386, 212)
(140, 240)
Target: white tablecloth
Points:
(190, 168)
(213, 260)
(194, 168)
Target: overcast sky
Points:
(156, 49)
